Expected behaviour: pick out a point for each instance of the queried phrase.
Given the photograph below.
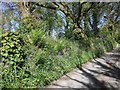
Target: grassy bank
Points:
(45, 64)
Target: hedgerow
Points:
(43, 59)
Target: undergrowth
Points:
(42, 60)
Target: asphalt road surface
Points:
(100, 73)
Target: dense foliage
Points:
(45, 60)
(50, 39)
(12, 56)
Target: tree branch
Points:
(46, 6)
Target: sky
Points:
(14, 23)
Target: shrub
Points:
(12, 58)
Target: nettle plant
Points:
(12, 55)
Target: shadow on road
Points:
(106, 76)
(110, 70)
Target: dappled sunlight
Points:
(96, 74)
(42, 44)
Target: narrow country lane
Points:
(103, 72)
